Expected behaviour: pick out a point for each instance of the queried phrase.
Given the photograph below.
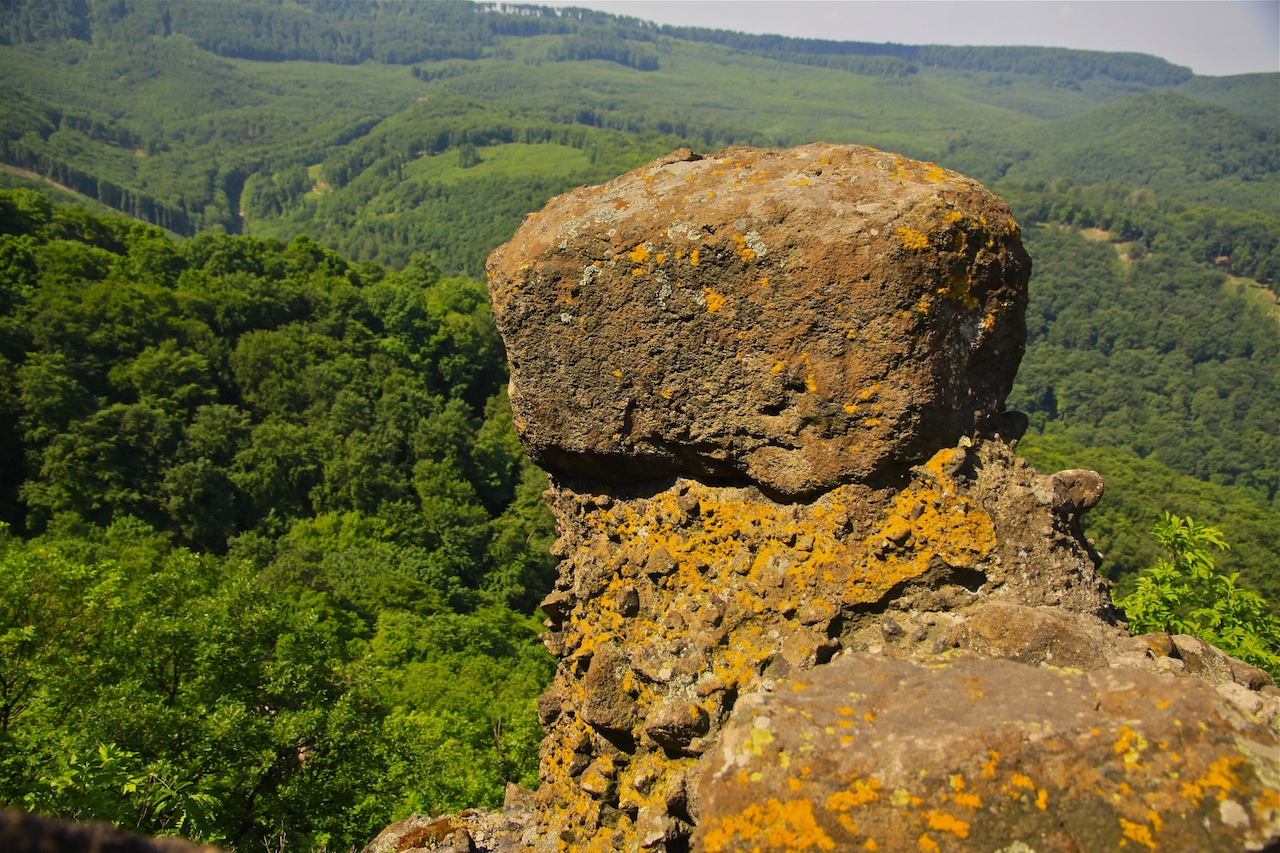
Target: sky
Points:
(1212, 37)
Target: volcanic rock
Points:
(796, 319)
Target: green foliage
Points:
(1154, 356)
(107, 786)
(1184, 594)
(276, 522)
(176, 693)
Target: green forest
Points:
(270, 543)
(270, 553)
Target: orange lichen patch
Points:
(927, 844)
(958, 287)
(1042, 799)
(989, 766)
(1138, 832)
(775, 825)
(639, 254)
(912, 239)
(925, 523)
(693, 257)
(1130, 745)
(714, 300)
(935, 174)
(944, 822)
(1018, 780)
(962, 797)
(1220, 775)
(859, 793)
(810, 378)
(744, 251)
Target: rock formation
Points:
(797, 320)
(809, 598)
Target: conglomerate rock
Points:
(809, 598)
(801, 318)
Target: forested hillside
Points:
(258, 468)
(267, 536)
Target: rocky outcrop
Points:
(795, 319)
(809, 597)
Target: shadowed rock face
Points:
(796, 319)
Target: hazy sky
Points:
(1210, 36)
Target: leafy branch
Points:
(1184, 594)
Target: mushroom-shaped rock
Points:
(797, 319)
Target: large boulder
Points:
(798, 319)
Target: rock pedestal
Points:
(809, 598)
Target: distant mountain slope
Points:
(1255, 96)
(1163, 140)
(165, 110)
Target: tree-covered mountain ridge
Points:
(191, 143)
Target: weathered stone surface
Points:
(801, 318)
(1031, 635)
(718, 590)
(506, 830)
(965, 753)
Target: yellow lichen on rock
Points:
(775, 825)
